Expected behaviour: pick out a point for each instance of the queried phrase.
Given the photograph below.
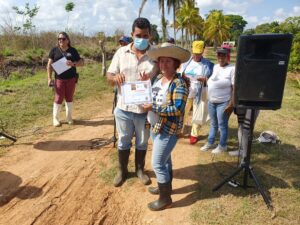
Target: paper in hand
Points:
(60, 66)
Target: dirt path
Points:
(55, 180)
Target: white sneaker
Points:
(235, 153)
(219, 149)
(207, 147)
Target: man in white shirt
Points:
(131, 63)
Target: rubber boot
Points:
(56, 110)
(69, 109)
(164, 201)
(155, 190)
(139, 166)
(122, 168)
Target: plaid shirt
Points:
(171, 114)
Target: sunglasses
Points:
(61, 39)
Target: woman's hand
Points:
(202, 79)
(147, 107)
(50, 82)
(70, 63)
(229, 108)
(144, 76)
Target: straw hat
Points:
(170, 50)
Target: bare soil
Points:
(54, 179)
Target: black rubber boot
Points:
(164, 201)
(155, 190)
(123, 171)
(139, 166)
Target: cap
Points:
(198, 47)
(125, 39)
(171, 40)
(223, 50)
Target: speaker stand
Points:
(248, 169)
(8, 136)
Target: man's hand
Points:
(119, 79)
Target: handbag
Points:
(200, 110)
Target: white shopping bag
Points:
(200, 111)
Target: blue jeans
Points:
(163, 144)
(127, 124)
(218, 120)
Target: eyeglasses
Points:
(61, 39)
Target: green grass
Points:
(27, 102)
(276, 165)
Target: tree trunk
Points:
(215, 43)
(174, 21)
(181, 37)
(141, 7)
(103, 71)
(163, 22)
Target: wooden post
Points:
(102, 46)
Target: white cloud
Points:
(89, 15)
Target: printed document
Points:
(138, 92)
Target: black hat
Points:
(222, 51)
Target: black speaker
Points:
(261, 68)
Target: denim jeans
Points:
(218, 120)
(128, 124)
(163, 144)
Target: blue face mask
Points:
(141, 43)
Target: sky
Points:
(92, 16)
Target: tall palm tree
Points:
(216, 27)
(141, 7)
(174, 4)
(161, 5)
(189, 19)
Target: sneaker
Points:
(219, 149)
(207, 146)
(235, 153)
(193, 140)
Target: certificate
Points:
(60, 66)
(136, 93)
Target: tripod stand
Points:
(8, 136)
(247, 168)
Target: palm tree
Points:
(161, 5)
(216, 27)
(188, 19)
(141, 7)
(174, 4)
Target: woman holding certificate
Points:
(63, 60)
(165, 114)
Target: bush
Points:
(7, 52)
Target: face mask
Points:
(141, 43)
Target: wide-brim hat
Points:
(170, 50)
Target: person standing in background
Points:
(64, 83)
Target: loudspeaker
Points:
(261, 68)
